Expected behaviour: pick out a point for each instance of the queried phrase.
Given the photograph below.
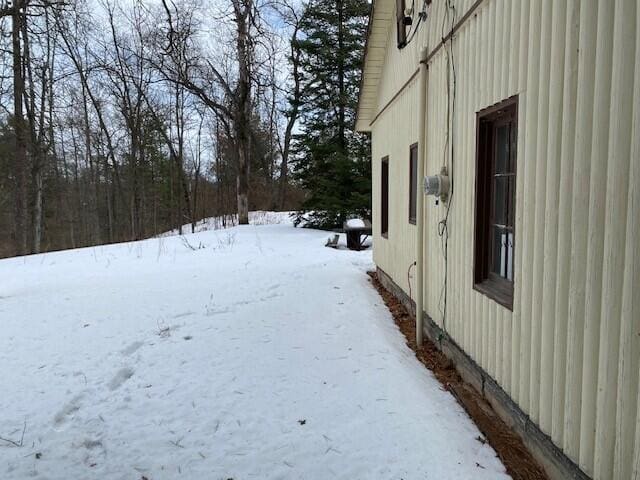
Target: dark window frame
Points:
(384, 197)
(413, 183)
(401, 28)
(486, 281)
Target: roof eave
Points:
(378, 22)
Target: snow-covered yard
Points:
(252, 352)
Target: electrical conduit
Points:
(422, 144)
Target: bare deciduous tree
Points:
(230, 101)
(119, 121)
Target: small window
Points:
(413, 182)
(400, 25)
(497, 133)
(384, 198)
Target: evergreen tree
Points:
(333, 161)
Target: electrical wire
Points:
(409, 279)
(422, 15)
(443, 225)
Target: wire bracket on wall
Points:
(409, 20)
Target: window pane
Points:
(510, 256)
(500, 258)
(511, 198)
(413, 183)
(500, 193)
(512, 151)
(502, 149)
(384, 197)
(497, 139)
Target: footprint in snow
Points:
(270, 296)
(132, 348)
(122, 376)
(91, 444)
(95, 452)
(210, 311)
(68, 410)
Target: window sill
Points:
(385, 235)
(496, 292)
(412, 221)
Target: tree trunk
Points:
(20, 166)
(292, 118)
(243, 185)
(242, 120)
(109, 197)
(35, 147)
(37, 212)
(51, 60)
(185, 211)
(93, 169)
(341, 73)
(283, 181)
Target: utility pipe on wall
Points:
(422, 144)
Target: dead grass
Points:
(508, 445)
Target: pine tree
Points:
(333, 161)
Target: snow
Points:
(355, 223)
(252, 352)
(258, 217)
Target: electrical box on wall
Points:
(438, 185)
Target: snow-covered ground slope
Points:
(259, 217)
(253, 352)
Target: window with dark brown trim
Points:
(497, 133)
(384, 198)
(413, 182)
(400, 25)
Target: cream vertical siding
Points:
(569, 352)
(399, 248)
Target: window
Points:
(384, 198)
(401, 27)
(413, 182)
(495, 200)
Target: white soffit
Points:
(382, 12)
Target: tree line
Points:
(120, 120)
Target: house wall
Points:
(569, 352)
